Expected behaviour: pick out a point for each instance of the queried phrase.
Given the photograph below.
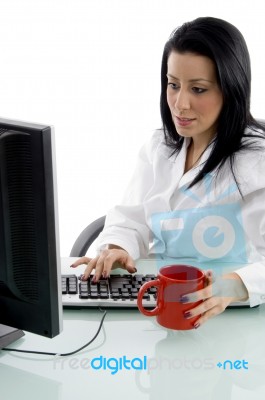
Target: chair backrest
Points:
(87, 237)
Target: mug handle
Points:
(144, 287)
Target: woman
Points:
(198, 189)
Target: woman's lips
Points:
(184, 121)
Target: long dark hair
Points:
(226, 47)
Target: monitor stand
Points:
(9, 335)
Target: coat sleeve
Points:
(253, 276)
(125, 224)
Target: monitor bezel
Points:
(54, 310)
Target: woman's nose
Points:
(182, 101)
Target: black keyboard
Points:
(115, 291)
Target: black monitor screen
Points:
(29, 242)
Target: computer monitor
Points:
(30, 296)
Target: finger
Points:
(90, 266)
(205, 311)
(103, 265)
(113, 260)
(209, 277)
(205, 317)
(128, 265)
(80, 261)
(99, 268)
(202, 308)
(202, 294)
(212, 312)
(131, 268)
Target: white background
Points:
(91, 68)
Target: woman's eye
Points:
(198, 90)
(173, 85)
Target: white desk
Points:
(180, 365)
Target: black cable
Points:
(62, 354)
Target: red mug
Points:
(173, 282)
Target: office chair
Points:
(87, 237)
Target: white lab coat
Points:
(159, 216)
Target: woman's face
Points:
(193, 95)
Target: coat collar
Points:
(181, 159)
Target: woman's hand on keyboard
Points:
(108, 259)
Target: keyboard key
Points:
(152, 290)
(138, 277)
(83, 285)
(72, 289)
(83, 295)
(104, 295)
(115, 296)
